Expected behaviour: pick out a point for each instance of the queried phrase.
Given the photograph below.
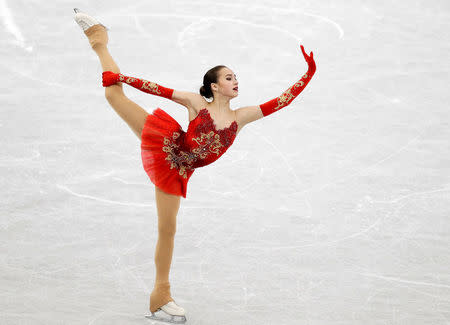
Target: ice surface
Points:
(334, 210)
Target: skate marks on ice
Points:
(11, 26)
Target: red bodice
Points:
(200, 145)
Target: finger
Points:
(303, 50)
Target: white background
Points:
(334, 210)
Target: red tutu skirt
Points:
(160, 138)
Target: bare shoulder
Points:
(198, 102)
(248, 114)
(188, 99)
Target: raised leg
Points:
(167, 208)
(133, 114)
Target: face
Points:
(226, 82)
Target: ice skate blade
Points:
(166, 318)
(86, 26)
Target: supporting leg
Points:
(167, 208)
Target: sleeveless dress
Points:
(170, 155)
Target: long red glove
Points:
(274, 105)
(110, 78)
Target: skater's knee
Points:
(166, 228)
(167, 224)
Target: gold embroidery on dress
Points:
(176, 161)
(209, 142)
(211, 145)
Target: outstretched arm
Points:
(110, 78)
(252, 113)
(184, 98)
(288, 96)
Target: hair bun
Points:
(202, 90)
(210, 76)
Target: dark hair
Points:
(210, 77)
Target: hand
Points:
(309, 59)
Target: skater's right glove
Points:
(110, 78)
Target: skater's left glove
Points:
(288, 96)
(110, 78)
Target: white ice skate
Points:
(85, 21)
(170, 312)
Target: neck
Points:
(221, 104)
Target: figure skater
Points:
(169, 154)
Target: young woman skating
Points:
(169, 154)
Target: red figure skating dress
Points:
(170, 154)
